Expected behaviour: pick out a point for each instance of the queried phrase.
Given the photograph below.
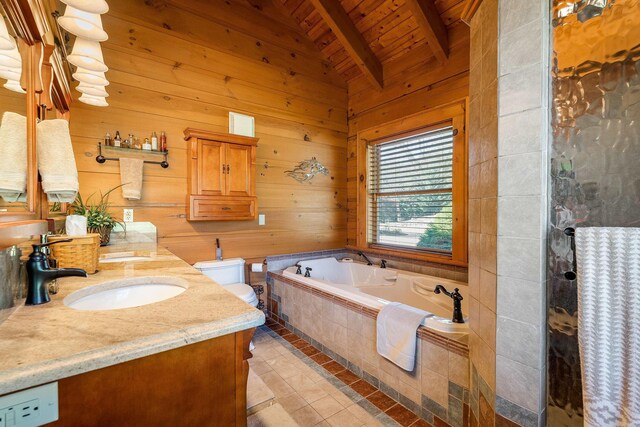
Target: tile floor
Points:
(311, 389)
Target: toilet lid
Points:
(245, 292)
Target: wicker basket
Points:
(82, 252)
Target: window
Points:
(410, 191)
(411, 187)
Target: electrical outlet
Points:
(127, 216)
(261, 219)
(30, 408)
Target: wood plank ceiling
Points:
(389, 29)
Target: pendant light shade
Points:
(93, 100)
(6, 41)
(92, 90)
(87, 54)
(83, 24)
(13, 85)
(91, 6)
(89, 77)
(10, 73)
(10, 58)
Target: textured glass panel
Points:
(595, 166)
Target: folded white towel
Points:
(608, 266)
(56, 162)
(396, 333)
(13, 157)
(131, 177)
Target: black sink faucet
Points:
(457, 306)
(40, 274)
(366, 258)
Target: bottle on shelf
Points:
(107, 140)
(146, 145)
(154, 141)
(163, 141)
(117, 141)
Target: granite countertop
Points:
(48, 342)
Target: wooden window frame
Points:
(455, 115)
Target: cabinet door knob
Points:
(228, 168)
(224, 168)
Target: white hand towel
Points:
(608, 267)
(56, 162)
(396, 333)
(13, 157)
(131, 177)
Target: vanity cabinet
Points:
(221, 176)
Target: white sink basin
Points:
(123, 257)
(126, 293)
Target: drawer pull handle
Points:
(226, 208)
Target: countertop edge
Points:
(34, 375)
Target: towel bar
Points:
(101, 159)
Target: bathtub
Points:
(375, 287)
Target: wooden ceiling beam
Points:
(469, 10)
(431, 24)
(354, 43)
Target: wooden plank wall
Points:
(187, 63)
(412, 83)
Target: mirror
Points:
(13, 125)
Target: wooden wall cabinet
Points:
(221, 176)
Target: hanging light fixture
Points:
(91, 6)
(6, 41)
(83, 24)
(10, 73)
(96, 101)
(95, 78)
(14, 85)
(92, 90)
(87, 54)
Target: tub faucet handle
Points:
(457, 306)
(299, 269)
(383, 263)
(306, 273)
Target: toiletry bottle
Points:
(218, 250)
(163, 141)
(107, 140)
(117, 141)
(146, 145)
(154, 141)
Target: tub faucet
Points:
(40, 274)
(383, 263)
(306, 273)
(457, 306)
(366, 258)
(299, 269)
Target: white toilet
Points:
(230, 274)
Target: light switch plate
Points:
(30, 408)
(261, 219)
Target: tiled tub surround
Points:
(437, 389)
(281, 262)
(69, 342)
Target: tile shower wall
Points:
(595, 178)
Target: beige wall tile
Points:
(487, 326)
(459, 369)
(489, 178)
(435, 387)
(435, 358)
(488, 252)
(488, 289)
(489, 217)
(474, 281)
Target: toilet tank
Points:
(224, 272)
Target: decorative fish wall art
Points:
(306, 170)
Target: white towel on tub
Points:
(396, 333)
(608, 267)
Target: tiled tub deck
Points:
(437, 389)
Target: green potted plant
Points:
(99, 219)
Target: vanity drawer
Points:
(221, 208)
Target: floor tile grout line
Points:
(327, 374)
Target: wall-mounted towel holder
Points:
(571, 232)
(101, 159)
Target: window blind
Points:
(410, 191)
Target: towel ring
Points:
(165, 164)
